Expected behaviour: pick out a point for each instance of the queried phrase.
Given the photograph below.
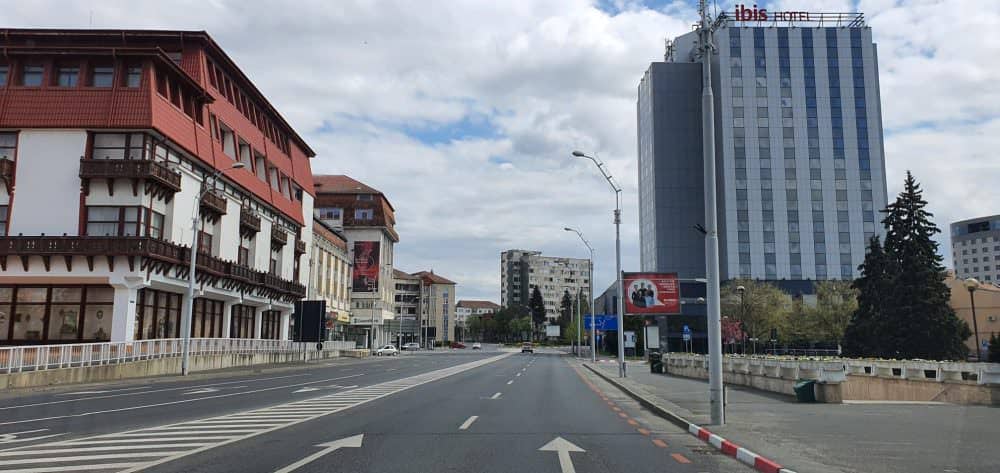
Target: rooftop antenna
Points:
(668, 53)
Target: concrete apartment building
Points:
(523, 270)
(437, 301)
(975, 248)
(407, 307)
(365, 216)
(107, 138)
(330, 277)
(800, 158)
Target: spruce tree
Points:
(862, 337)
(904, 309)
(566, 310)
(536, 306)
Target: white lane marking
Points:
(495, 396)
(169, 433)
(510, 382)
(109, 448)
(159, 404)
(562, 449)
(109, 456)
(29, 439)
(25, 432)
(201, 391)
(149, 392)
(134, 440)
(82, 392)
(305, 390)
(468, 422)
(349, 442)
(101, 466)
(519, 374)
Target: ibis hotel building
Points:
(107, 140)
(799, 154)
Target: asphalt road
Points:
(455, 411)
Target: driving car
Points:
(412, 346)
(526, 347)
(457, 345)
(388, 350)
(477, 346)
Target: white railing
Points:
(340, 345)
(41, 357)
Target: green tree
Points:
(567, 310)
(519, 329)
(536, 307)
(764, 307)
(910, 317)
(474, 327)
(994, 352)
(836, 302)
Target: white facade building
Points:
(522, 270)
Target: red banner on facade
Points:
(651, 293)
(366, 258)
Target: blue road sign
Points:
(604, 322)
(687, 330)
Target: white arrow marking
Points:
(347, 442)
(305, 390)
(202, 391)
(562, 448)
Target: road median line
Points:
(759, 463)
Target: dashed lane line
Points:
(465, 425)
(143, 448)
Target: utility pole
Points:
(705, 29)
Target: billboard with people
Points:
(366, 267)
(651, 293)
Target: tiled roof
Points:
(397, 274)
(341, 184)
(430, 277)
(478, 304)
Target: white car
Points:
(412, 346)
(388, 350)
(477, 346)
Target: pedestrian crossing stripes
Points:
(139, 449)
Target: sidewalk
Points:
(835, 438)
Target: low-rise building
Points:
(437, 300)
(469, 308)
(407, 307)
(330, 277)
(987, 298)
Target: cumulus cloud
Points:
(464, 112)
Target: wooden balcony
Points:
(148, 255)
(278, 236)
(300, 247)
(213, 205)
(249, 221)
(7, 173)
(160, 180)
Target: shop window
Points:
(241, 323)
(206, 321)
(56, 314)
(270, 325)
(158, 315)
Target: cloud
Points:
(464, 112)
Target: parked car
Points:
(477, 346)
(412, 346)
(526, 347)
(388, 350)
(457, 345)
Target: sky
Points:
(464, 113)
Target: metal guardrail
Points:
(42, 357)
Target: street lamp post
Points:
(740, 290)
(593, 324)
(972, 284)
(189, 304)
(618, 258)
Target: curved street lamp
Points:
(189, 304)
(593, 324)
(972, 284)
(618, 256)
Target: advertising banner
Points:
(366, 258)
(651, 294)
(551, 330)
(604, 322)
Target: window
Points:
(365, 197)
(206, 319)
(329, 213)
(133, 76)
(3, 219)
(118, 146)
(242, 322)
(115, 221)
(228, 140)
(364, 214)
(60, 313)
(156, 220)
(31, 76)
(102, 76)
(8, 146)
(273, 172)
(4, 70)
(275, 264)
(270, 325)
(260, 167)
(245, 156)
(204, 242)
(243, 254)
(161, 83)
(286, 187)
(157, 315)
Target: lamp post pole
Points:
(593, 324)
(192, 266)
(618, 258)
(972, 284)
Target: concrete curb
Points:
(759, 463)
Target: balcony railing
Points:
(165, 254)
(213, 204)
(153, 172)
(249, 220)
(279, 236)
(300, 247)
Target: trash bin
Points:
(805, 390)
(655, 361)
